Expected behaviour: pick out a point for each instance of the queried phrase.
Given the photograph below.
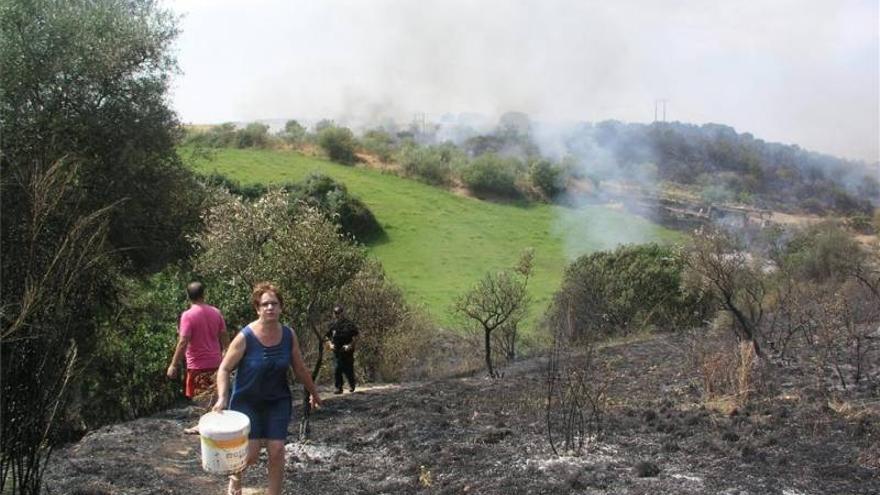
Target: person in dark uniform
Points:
(340, 339)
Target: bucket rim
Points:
(226, 424)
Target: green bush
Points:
(250, 191)
(379, 143)
(318, 190)
(299, 249)
(631, 288)
(378, 307)
(218, 136)
(430, 164)
(254, 135)
(722, 187)
(294, 133)
(333, 199)
(821, 252)
(126, 378)
(492, 174)
(339, 144)
(547, 178)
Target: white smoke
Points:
(792, 71)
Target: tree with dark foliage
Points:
(92, 187)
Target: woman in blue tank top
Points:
(262, 353)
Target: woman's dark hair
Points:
(262, 288)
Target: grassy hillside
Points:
(439, 244)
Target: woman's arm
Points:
(302, 373)
(229, 363)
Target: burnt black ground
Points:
(475, 435)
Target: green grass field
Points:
(439, 244)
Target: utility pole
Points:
(420, 122)
(658, 104)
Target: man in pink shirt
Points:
(202, 339)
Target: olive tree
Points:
(87, 82)
(91, 186)
(294, 133)
(499, 300)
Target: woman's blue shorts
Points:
(269, 418)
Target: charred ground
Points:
(475, 435)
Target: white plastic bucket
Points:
(224, 441)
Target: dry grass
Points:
(854, 411)
(793, 220)
(723, 404)
(745, 372)
(729, 371)
(869, 457)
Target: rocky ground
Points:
(482, 436)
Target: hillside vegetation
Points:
(438, 244)
(523, 159)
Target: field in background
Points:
(439, 244)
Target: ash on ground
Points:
(489, 436)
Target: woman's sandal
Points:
(234, 485)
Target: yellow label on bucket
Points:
(225, 444)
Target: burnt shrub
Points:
(646, 469)
(633, 287)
